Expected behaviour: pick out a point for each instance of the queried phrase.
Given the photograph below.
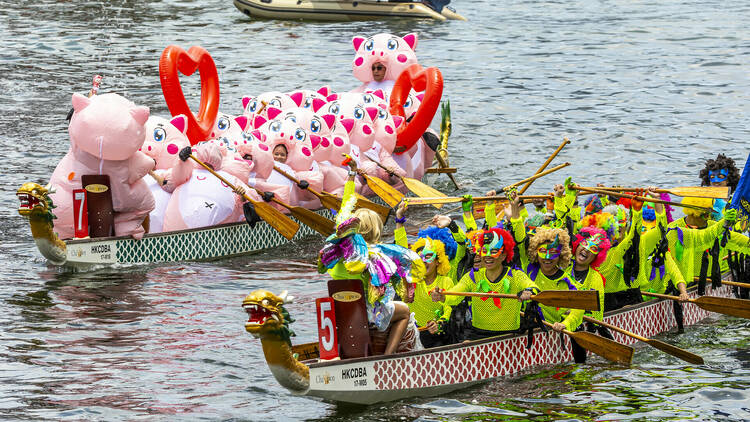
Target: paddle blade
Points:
(313, 220)
(421, 189)
(381, 211)
(725, 305)
(604, 347)
(701, 191)
(432, 200)
(385, 191)
(676, 351)
(276, 219)
(329, 201)
(574, 299)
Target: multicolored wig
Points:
(592, 205)
(721, 162)
(587, 233)
(698, 202)
(544, 235)
(438, 247)
(444, 235)
(604, 221)
(508, 242)
(472, 237)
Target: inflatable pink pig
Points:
(394, 52)
(106, 132)
(382, 150)
(204, 200)
(253, 106)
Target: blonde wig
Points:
(698, 202)
(544, 235)
(370, 225)
(444, 264)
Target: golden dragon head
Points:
(35, 200)
(266, 314)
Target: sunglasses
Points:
(378, 67)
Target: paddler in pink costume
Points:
(204, 200)
(106, 132)
(381, 58)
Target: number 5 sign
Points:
(328, 344)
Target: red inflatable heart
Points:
(429, 80)
(174, 60)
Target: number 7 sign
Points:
(80, 213)
(328, 344)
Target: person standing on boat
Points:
(354, 252)
(492, 316)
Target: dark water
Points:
(646, 90)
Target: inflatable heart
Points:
(174, 60)
(429, 80)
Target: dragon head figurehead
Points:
(267, 316)
(35, 201)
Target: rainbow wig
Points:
(508, 242)
(604, 221)
(472, 237)
(698, 202)
(545, 235)
(604, 246)
(444, 264)
(444, 235)
(592, 205)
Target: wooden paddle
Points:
(536, 176)
(691, 191)
(452, 199)
(723, 305)
(414, 185)
(386, 192)
(730, 283)
(604, 347)
(638, 198)
(664, 347)
(275, 218)
(544, 166)
(574, 299)
(309, 218)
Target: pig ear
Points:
(398, 120)
(324, 91)
(317, 103)
(330, 119)
(411, 39)
(258, 121)
(348, 124)
(332, 97)
(420, 97)
(246, 101)
(140, 114)
(272, 112)
(297, 97)
(373, 112)
(242, 121)
(80, 102)
(357, 41)
(379, 93)
(180, 121)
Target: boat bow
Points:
(36, 206)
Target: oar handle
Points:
(549, 324)
(614, 328)
(638, 198)
(662, 296)
(477, 294)
(537, 176)
(160, 180)
(546, 163)
(227, 182)
(295, 180)
(274, 199)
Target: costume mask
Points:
(493, 245)
(427, 253)
(593, 243)
(718, 176)
(550, 250)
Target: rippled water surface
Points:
(645, 90)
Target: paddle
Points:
(414, 185)
(536, 176)
(691, 191)
(638, 198)
(275, 218)
(604, 347)
(544, 166)
(723, 305)
(452, 199)
(730, 283)
(664, 347)
(574, 299)
(309, 218)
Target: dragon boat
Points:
(435, 371)
(335, 10)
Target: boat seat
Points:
(100, 209)
(351, 318)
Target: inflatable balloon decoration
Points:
(429, 80)
(174, 60)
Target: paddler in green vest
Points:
(492, 316)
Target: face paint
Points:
(550, 250)
(593, 242)
(427, 253)
(718, 176)
(493, 246)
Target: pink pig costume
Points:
(106, 132)
(396, 53)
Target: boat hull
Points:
(444, 369)
(327, 10)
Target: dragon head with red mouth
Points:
(267, 315)
(35, 201)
